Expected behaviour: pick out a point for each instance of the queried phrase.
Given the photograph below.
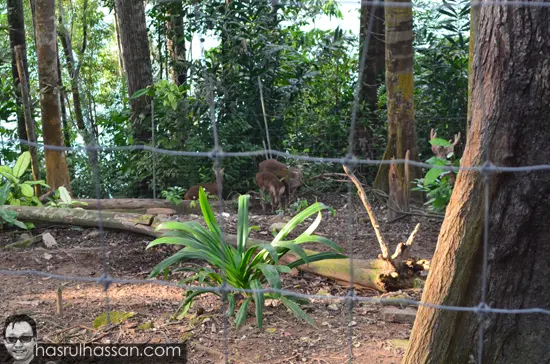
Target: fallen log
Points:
(140, 205)
(377, 274)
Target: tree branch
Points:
(374, 222)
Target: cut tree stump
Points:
(375, 273)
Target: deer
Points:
(441, 151)
(291, 177)
(210, 187)
(270, 183)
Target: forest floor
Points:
(284, 339)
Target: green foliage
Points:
(21, 192)
(438, 183)
(244, 267)
(294, 207)
(174, 194)
(441, 69)
(8, 216)
(307, 75)
(63, 199)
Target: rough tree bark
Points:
(57, 173)
(375, 54)
(474, 17)
(176, 45)
(16, 26)
(62, 98)
(374, 65)
(510, 107)
(139, 74)
(137, 63)
(29, 121)
(119, 46)
(399, 84)
(74, 74)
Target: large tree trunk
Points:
(16, 26)
(137, 63)
(57, 173)
(368, 91)
(62, 98)
(176, 45)
(139, 75)
(375, 54)
(510, 108)
(74, 73)
(29, 121)
(400, 88)
(474, 18)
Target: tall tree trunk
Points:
(375, 54)
(176, 46)
(139, 75)
(400, 89)
(119, 46)
(137, 63)
(16, 26)
(510, 108)
(74, 73)
(368, 91)
(57, 173)
(29, 120)
(62, 97)
(474, 17)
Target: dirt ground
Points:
(284, 339)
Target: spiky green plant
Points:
(244, 267)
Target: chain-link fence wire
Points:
(217, 155)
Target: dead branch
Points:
(374, 222)
(413, 235)
(402, 248)
(46, 195)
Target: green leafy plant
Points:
(438, 183)
(21, 192)
(9, 216)
(245, 267)
(62, 198)
(174, 194)
(298, 205)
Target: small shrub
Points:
(438, 183)
(21, 193)
(62, 198)
(9, 216)
(174, 194)
(245, 267)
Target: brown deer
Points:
(210, 187)
(441, 151)
(269, 183)
(291, 177)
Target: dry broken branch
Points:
(402, 249)
(374, 222)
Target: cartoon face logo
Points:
(20, 337)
